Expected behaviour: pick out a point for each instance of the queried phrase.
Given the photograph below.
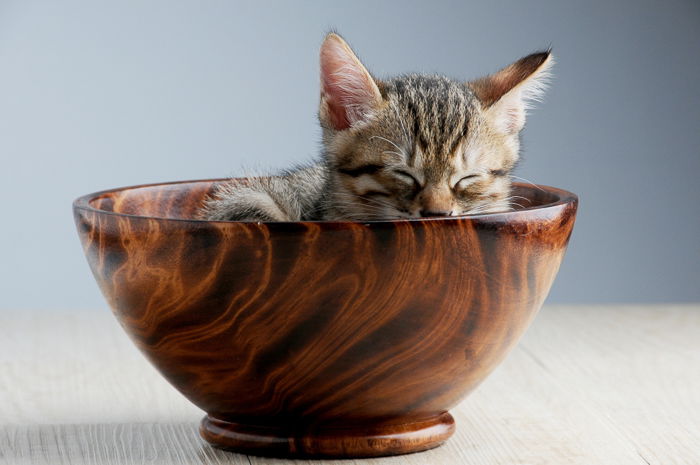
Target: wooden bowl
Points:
(322, 339)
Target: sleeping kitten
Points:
(408, 147)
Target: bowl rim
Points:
(564, 197)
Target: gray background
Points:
(96, 95)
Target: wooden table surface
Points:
(587, 385)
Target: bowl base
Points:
(370, 440)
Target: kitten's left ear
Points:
(507, 93)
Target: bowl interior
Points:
(182, 200)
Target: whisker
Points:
(349, 207)
(527, 181)
(519, 197)
(392, 143)
(374, 207)
(485, 208)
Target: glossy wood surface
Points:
(311, 331)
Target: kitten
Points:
(408, 147)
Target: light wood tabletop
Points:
(586, 385)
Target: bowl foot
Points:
(371, 440)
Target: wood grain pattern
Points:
(306, 330)
(586, 385)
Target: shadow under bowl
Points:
(322, 339)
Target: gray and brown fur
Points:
(411, 146)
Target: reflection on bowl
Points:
(323, 339)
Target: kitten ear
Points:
(349, 94)
(507, 93)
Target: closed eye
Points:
(376, 194)
(360, 170)
(408, 177)
(464, 180)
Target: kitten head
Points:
(420, 145)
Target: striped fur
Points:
(411, 146)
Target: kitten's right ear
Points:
(349, 94)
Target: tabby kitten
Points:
(413, 146)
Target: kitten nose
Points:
(428, 213)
